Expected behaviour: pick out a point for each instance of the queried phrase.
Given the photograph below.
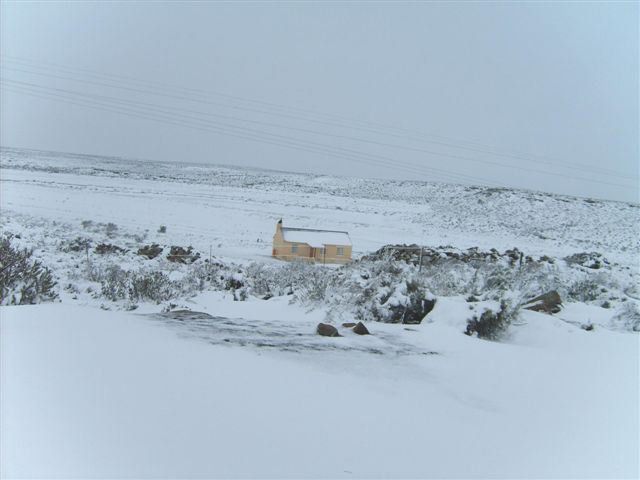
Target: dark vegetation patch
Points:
(78, 244)
(182, 255)
(23, 279)
(150, 251)
(416, 255)
(108, 249)
(491, 325)
(592, 260)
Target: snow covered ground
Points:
(247, 389)
(87, 393)
(235, 210)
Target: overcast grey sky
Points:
(547, 92)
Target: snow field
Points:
(88, 393)
(253, 392)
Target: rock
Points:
(327, 330)
(360, 329)
(549, 303)
(182, 255)
(592, 260)
(107, 248)
(183, 315)
(150, 251)
(414, 312)
(349, 325)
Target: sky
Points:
(542, 96)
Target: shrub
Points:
(416, 304)
(585, 290)
(114, 282)
(111, 229)
(23, 280)
(491, 325)
(381, 290)
(154, 286)
(78, 244)
(627, 317)
(118, 284)
(162, 229)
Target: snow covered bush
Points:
(114, 282)
(118, 284)
(492, 325)
(311, 287)
(154, 286)
(23, 279)
(584, 290)
(381, 290)
(307, 281)
(403, 302)
(111, 229)
(627, 317)
(78, 244)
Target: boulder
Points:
(183, 315)
(550, 302)
(182, 255)
(360, 329)
(349, 325)
(107, 248)
(150, 251)
(327, 330)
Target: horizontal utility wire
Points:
(304, 130)
(492, 150)
(172, 115)
(556, 163)
(467, 145)
(295, 145)
(173, 111)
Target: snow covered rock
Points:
(360, 329)
(150, 251)
(327, 330)
(181, 255)
(549, 302)
(592, 260)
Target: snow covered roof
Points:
(315, 238)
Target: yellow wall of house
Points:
(332, 253)
(284, 250)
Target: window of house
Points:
(340, 251)
(294, 248)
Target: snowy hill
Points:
(156, 359)
(236, 207)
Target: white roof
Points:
(315, 238)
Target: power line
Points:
(371, 127)
(295, 145)
(173, 110)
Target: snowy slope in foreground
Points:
(110, 394)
